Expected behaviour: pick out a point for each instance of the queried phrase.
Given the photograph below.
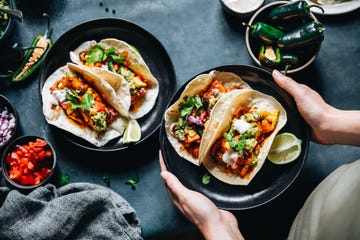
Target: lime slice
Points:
(132, 132)
(285, 148)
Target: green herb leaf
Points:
(188, 104)
(238, 146)
(64, 179)
(86, 103)
(133, 181)
(206, 179)
(96, 54)
(107, 180)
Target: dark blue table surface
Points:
(197, 35)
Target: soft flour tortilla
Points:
(56, 116)
(220, 122)
(137, 64)
(194, 87)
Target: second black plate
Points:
(271, 180)
(152, 51)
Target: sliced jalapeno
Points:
(310, 33)
(292, 9)
(269, 56)
(35, 56)
(267, 33)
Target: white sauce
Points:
(243, 6)
(59, 96)
(241, 126)
(230, 156)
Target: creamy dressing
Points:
(58, 96)
(243, 6)
(241, 126)
(230, 156)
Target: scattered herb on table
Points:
(206, 179)
(64, 179)
(133, 181)
(107, 180)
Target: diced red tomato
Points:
(30, 163)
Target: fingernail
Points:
(277, 74)
(163, 174)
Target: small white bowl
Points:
(241, 8)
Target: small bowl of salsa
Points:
(28, 162)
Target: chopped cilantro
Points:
(206, 179)
(96, 54)
(188, 104)
(239, 145)
(133, 181)
(74, 100)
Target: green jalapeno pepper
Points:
(35, 56)
(265, 32)
(310, 33)
(292, 9)
(268, 56)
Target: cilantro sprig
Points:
(237, 146)
(86, 103)
(133, 181)
(188, 104)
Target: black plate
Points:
(152, 51)
(271, 180)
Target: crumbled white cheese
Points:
(230, 156)
(241, 126)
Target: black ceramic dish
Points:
(306, 54)
(5, 103)
(271, 180)
(152, 51)
(20, 141)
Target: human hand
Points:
(309, 103)
(328, 124)
(212, 222)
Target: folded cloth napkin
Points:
(74, 211)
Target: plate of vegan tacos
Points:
(220, 125)
(99, 76)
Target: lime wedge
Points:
(285, 148)
(132, 132)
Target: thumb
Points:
(288, 84)
(173, 184)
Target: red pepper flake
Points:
(30, 164)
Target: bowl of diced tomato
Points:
(28, 162)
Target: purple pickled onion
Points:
(7, 125)
(195, 120)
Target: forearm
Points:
(342, 127)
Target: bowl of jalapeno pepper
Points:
(284, 35)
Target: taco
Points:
(186, 119)
(239, 135)
(80, 102)
(119, 57)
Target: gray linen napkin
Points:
(74, 211)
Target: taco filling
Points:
(238, 148)
(194, 114)
(82, 103)
(118, 62)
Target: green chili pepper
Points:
(111, 66)
(292, 9)
(289, 60)
(310, 33)
(269, 56)
(34, 57)
(267, 33)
